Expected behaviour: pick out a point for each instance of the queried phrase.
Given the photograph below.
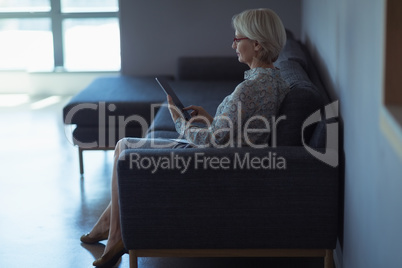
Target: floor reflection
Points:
(46, 206)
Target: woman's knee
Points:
(129, 143)
(120, 145)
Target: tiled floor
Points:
(46, 206)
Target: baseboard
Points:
(338, 255)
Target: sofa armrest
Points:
(210, 206)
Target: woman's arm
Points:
(199, 115)
(219, 131)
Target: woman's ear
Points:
(257, 46)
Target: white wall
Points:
(155, 33)
(42, 83)
(346, 40)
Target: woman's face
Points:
(245, 49)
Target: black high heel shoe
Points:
(92, 240)
(112, 257)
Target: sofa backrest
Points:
(307, 95)
(302, 101)
(210, 68)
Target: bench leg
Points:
(81, 159)
(133, 259)
(329, 259)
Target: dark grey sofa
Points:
(248, 211)
(214, 211)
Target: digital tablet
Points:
(169, 91)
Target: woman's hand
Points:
(199, 114)
(174, 111)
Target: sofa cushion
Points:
(210, 68)
(294, 51)
(295, 75)
(318, 138)
(103, 137)
(113, 96)
(315, 77)
(303, 99)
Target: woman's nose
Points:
(234, 45)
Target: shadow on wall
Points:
(330, 86)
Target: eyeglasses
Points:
(237, 40)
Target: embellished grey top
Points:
(244, 117)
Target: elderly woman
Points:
(259, 38)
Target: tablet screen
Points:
(169, 91)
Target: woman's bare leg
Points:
(113, 209)
(103, 223)
(114, 212)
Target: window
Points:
(26, 44)
(71, 35)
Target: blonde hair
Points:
(264, 26)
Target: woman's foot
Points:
(111, 257)
(91, 239)
(100, 231)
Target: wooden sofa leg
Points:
(133, 259)
(81, 159)
(329, 259)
